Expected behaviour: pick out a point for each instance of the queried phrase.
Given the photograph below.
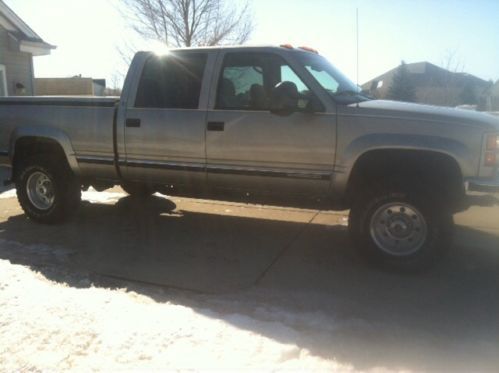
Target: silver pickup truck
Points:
(275, 125)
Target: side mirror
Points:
(284, 99)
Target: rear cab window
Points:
(171, 82)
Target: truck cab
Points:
(207, 117)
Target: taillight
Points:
(490, 159)
(492, 150)
(493, 142)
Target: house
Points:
(74, 86)
(18, 45)
(435, 85)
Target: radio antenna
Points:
(357, 33)
(357, 36)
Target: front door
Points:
(252, 150)
(165, 125)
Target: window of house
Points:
(3, 81)
(171, 82)
(247, 81)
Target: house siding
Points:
(18, 65)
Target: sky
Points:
(88, 34)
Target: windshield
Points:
(331, 79)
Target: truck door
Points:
(251, 149)
(165, 122)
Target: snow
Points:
(8, 194)
(90, 195)
(48, 325)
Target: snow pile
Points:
(49, 326)
(8, 194)
(38, 254)
(90, 195)
(93, 196)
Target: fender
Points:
(49, 133)
(434, 144)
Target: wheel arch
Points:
(29, 141)
(429, 167)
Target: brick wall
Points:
(64, 86)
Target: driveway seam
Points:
(284, 249)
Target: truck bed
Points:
(86, 123)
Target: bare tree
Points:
(115, 85)
(443, 89)
(179, 23)
(449, 95)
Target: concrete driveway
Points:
(299, 260)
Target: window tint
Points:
(247, 81)
(288, 75)
(242, 83)
(172, 81)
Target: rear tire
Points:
(137, 190)
(400, 226)
(47, 192)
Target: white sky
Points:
(87, 33)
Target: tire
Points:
(47, 192)
(400, 226)
(137, 190)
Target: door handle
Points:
(216, 126)
(132, 122)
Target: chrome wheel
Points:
(398, 229)
(40, 190)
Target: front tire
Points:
(47, 192)
(400, 226)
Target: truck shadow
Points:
(302, 276)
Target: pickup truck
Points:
(276, 125)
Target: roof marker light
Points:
(287, 46)
(308, 49)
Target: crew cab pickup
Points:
(274, 125)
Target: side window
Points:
(304, 93)
(242, 84)
(171, 82)
(247, 81)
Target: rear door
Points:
(165, 123)
(249, 148)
